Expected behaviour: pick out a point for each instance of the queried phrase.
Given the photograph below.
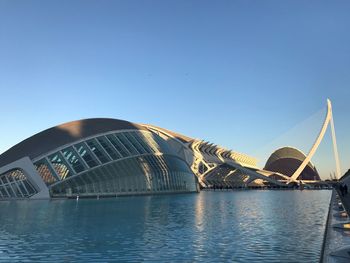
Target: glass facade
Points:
(224, 176)
(13, 184)
(133, 175)
(127, 162)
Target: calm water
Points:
(239, 226)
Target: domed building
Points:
(286, 161)
(93, 157)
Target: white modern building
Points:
(109, 157)
(93, 157)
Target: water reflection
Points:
(239, 226)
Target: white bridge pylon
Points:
(328, 120)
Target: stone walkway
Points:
(337, 237)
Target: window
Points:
(151, 142)
(85, 154)
(73, 159)
(142, 140)
(60, 165)
(122, 152)
(108, 147)
(45, 172)
(126, 144)
(135, 143)
(96, 149)
(14, 184)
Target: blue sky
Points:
(236, 73)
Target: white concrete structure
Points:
(328, 120)
(214, 165)
(96, 157)
(93, 157)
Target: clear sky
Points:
(236, 73)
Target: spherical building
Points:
(93, 157)
(286, 161)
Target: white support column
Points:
(335, 149)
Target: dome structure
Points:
(93, 157)
(66, 133)
(286, 160)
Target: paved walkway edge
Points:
(326, 238)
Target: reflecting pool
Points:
(235, 226)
